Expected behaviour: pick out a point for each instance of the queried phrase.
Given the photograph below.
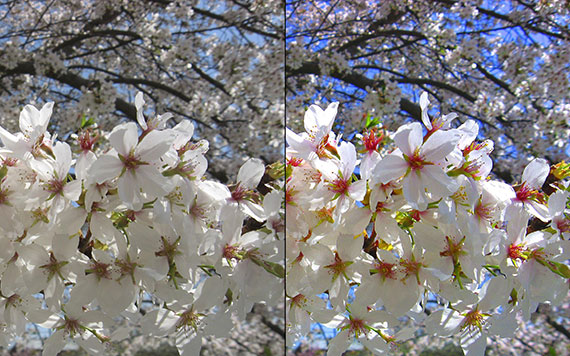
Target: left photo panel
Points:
(142, 177)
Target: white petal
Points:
(355, 221)
(29, 119)
(113, 297)
(349, 246)
(72, 190)
(62, 153)
(536, 172)
(339, 344)
(139, 102)
(474, 343)
(357, 190)
(538, 210)
(399, 298)
(84, 291)
(428, 237)
(153, 146)
(105, 168)
(91, 344)
(424, 102)
(124, 138)
(409, 137)
(439, 145)
(129, 191)
(437, 182)
(54, 344)
(389, 168)
(151, 181)
(414, 192)
(253, 210)
(443, 322)
(159, 322)
(209, 293)
(302, 146)
(347, 154)
(250, 173)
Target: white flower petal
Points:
(409, 137)
(105, 168)
(250, 173)
(424, 102)
(139, 102)
(124, 138)
(389, 168)
(439, 145)
(535, 173)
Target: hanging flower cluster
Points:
(415, 229)
(91, 234)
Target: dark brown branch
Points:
(351, 45)
(494, 79)
(438, 84)
(355, 79)
(209, 79)
(73, 80)
(558, 327)
(80, 37)
(240, 25)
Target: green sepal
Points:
(3, 172)
(86, 122)
(271, 267)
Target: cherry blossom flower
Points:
(134, 163)
(420, 164)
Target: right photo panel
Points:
(427, 184)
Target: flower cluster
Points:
(415, 229)
(125, 220)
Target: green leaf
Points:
(563, 270)
(271, 267)
(552, 351)
(267, 351)
(86, 122)
(3, 172)
(371, 121)
(276, 170)
(288, 171)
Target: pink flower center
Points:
(231, 252)
(86, 141)
(411, 268)
(3, 195)
(371, 141)
(239, 193)
(516, 252)
(356, 326)
(563, 225)
(72, 326)
(55, 186)
(10, 162)
(101, 270)
(289, 195)
(454, 249)
(473, 319)
(385, 270)
(298, 300)
(188, 320)
(130, 162)
(339, 186)
(338, 267)
(484, 212)
(416, 162)
(525, 192)
(295, 162)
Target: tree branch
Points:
(558, 327)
